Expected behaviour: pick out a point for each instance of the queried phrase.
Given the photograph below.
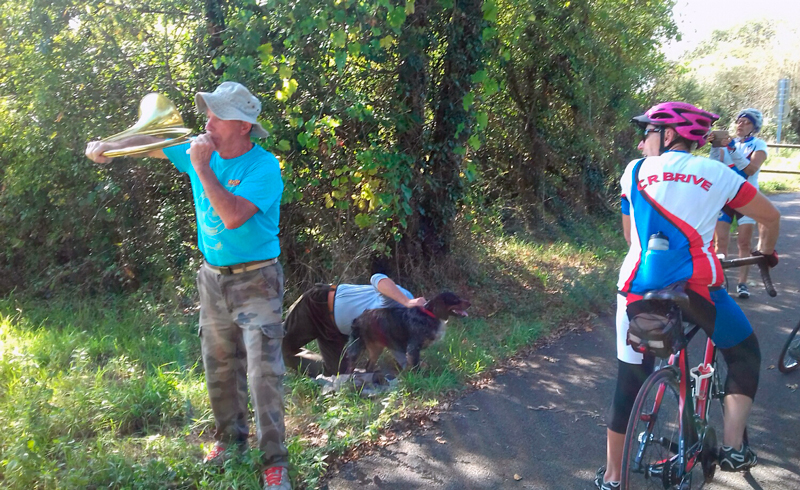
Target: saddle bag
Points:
(656, 327)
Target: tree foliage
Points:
(740, 67)
(569, 75)
(393, 120)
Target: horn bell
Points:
(158, 117)
(156, 114)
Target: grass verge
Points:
(780, 159)
(110, 392)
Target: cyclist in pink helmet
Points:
(671, 195)
(690, 122)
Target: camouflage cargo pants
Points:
(240, 337)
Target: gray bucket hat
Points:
(232, 101)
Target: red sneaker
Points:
(220, 453)
(277, 478)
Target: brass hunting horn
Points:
(158, 117)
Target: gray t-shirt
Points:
(352, 300)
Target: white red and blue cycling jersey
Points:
(740, 158)
(679, 195)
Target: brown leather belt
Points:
(228, 270)
(331, 297)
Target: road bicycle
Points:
(788, 362)
(669, 434)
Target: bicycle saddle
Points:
(673, 292)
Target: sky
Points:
(697, 19)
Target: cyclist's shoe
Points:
(794, 350)
(604, 485)
(277, 478)
(732, 460)
(742, 291)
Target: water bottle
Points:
(658, 241)
(656, 261)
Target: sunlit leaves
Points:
(564, 76)
(386, 42)
(330, 122)
(340, 58)
(339, 38)
(266, 51)
(396, 16)
(490, 87)
(471, 171)
(479, 76)
(363, 220)
(488, 34)
(290, 87)
(482, 119)
(354, 48)
(468, 100)
(490, 10)
(285, 71)
(474, 141)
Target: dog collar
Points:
(427, 312)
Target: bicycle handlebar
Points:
(761, 262)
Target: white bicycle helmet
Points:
(755, 117)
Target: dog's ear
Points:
(450, 298)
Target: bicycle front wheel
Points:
(788, 362)
(650, 456)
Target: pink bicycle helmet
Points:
(689, 121)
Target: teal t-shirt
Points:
(255, 176)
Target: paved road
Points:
(540, 425)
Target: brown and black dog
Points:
(404, 331)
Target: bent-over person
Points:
(325, 313)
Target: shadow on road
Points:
(541, 424)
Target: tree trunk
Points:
(412, 89)
(452, 127)
(215, 22)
